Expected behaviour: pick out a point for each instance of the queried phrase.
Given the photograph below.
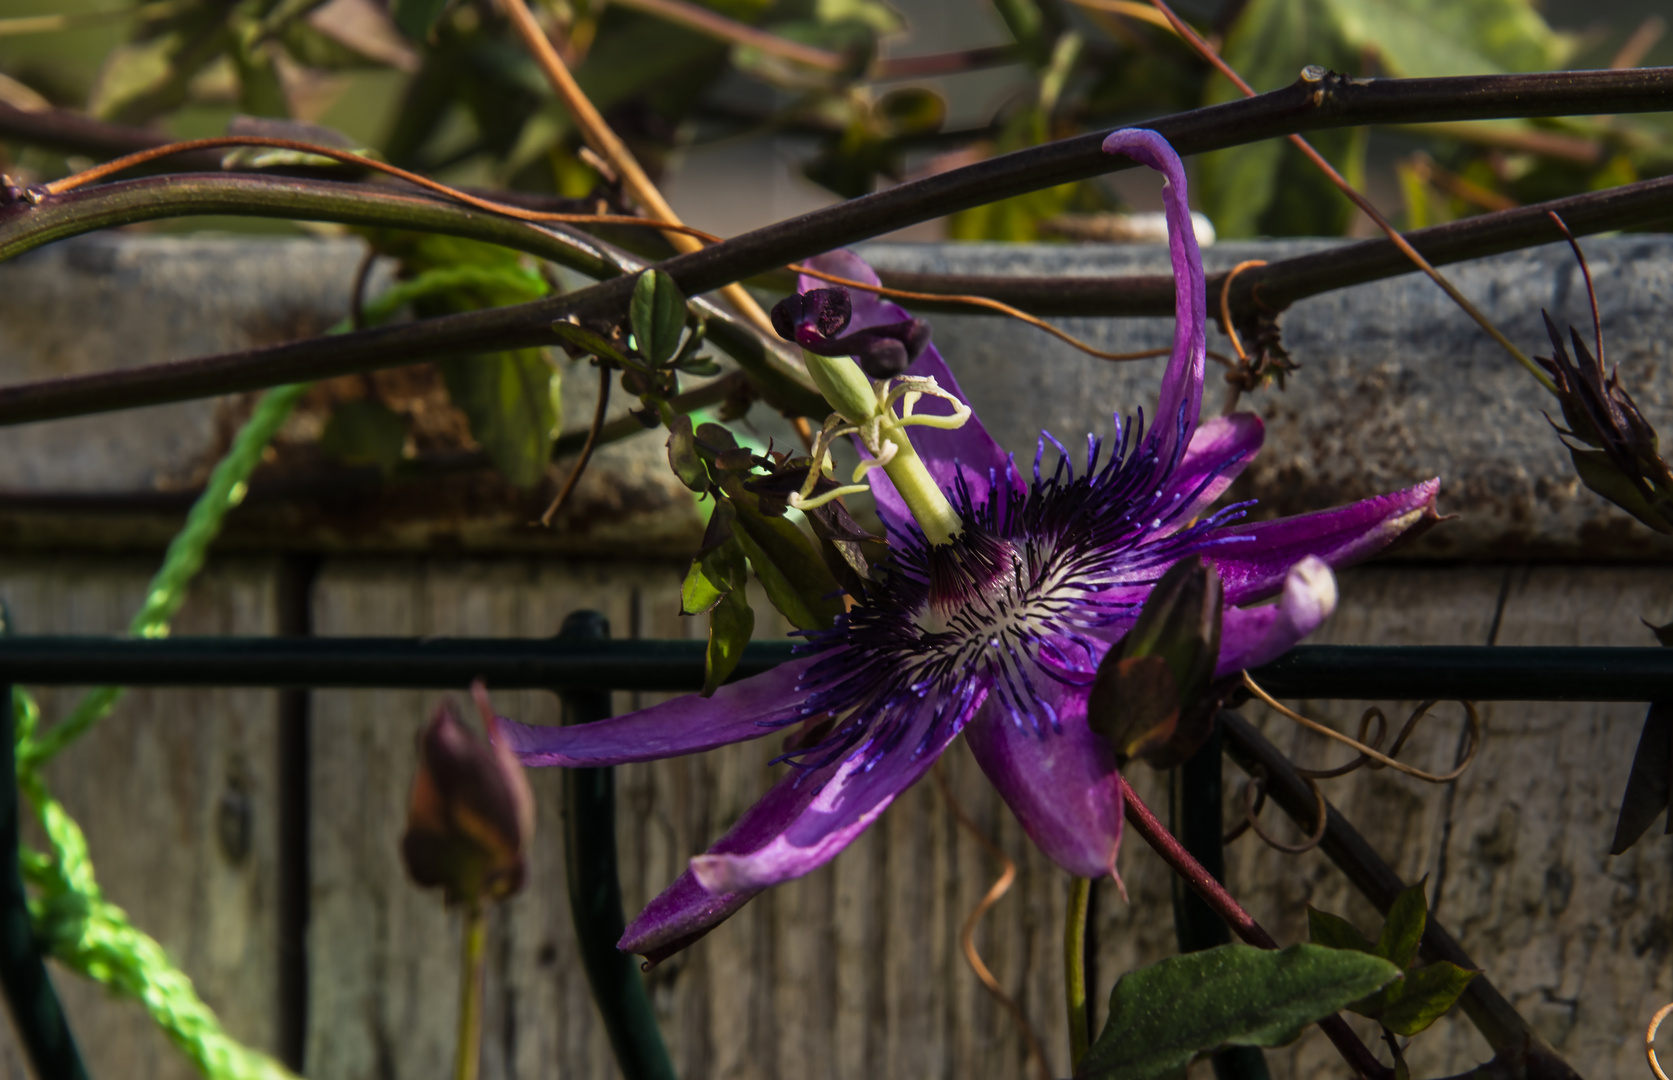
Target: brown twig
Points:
(607, 145)
(1201, 882)
(967, 932)
(586, 448)
(349, 157)
(718, 26)
(1212, 55)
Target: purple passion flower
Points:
(996, 629)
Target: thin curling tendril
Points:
(1370, 753)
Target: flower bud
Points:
(471, 814)
(1151, 697)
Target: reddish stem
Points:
(1353, 1051)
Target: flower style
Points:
(994, 626)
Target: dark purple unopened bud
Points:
(886, 351)
(813, 316)
(471, 812)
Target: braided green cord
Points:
(73, 921)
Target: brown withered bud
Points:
(471, 815)
(1626, 467)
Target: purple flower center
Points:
(1028, 597)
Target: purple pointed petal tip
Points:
(1251, 637)
(1254, 565)
(737, 712)
(1063, 786)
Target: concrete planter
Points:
(854, 971)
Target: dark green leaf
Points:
(416, 17)
(1335, 932)
(683, 457)
(1423, 996)
(507, 399)
(730, 624)
(790, 568)
(365, 432)
(657, 315)
(1162, 1016)
(699, 593)
(1648, 782)
(1403, 929)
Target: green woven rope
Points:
(73, 921)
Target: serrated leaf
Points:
(365, 432)
(1335, 932)
(1648, 781)
(683, 457)
(730, 625)
(507, 399)
(1162, 1016)
(414, 18)
(1423, 997)
(1403, 929)
(657, 315)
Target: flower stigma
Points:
(865, 409)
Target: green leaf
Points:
(683, 457)
(1403, 929)
(790, 568)
(1335, 932)
(730, 624)
(1419, 38)
(657, 315)
(1423, 996)
(1162, 1016)
(507, 399)
(365, 432)
(414, 18)
(699, 593)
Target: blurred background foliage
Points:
(748, 111)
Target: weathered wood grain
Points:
(178, 794)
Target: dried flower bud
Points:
(1152, 696)
(1626, 468)
(471, 815)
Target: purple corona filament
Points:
(996, 632)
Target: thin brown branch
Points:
(721, 28)
(949, 63)
(1212, 55)
(1334, 102)
(607, 145)
(593, 433)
